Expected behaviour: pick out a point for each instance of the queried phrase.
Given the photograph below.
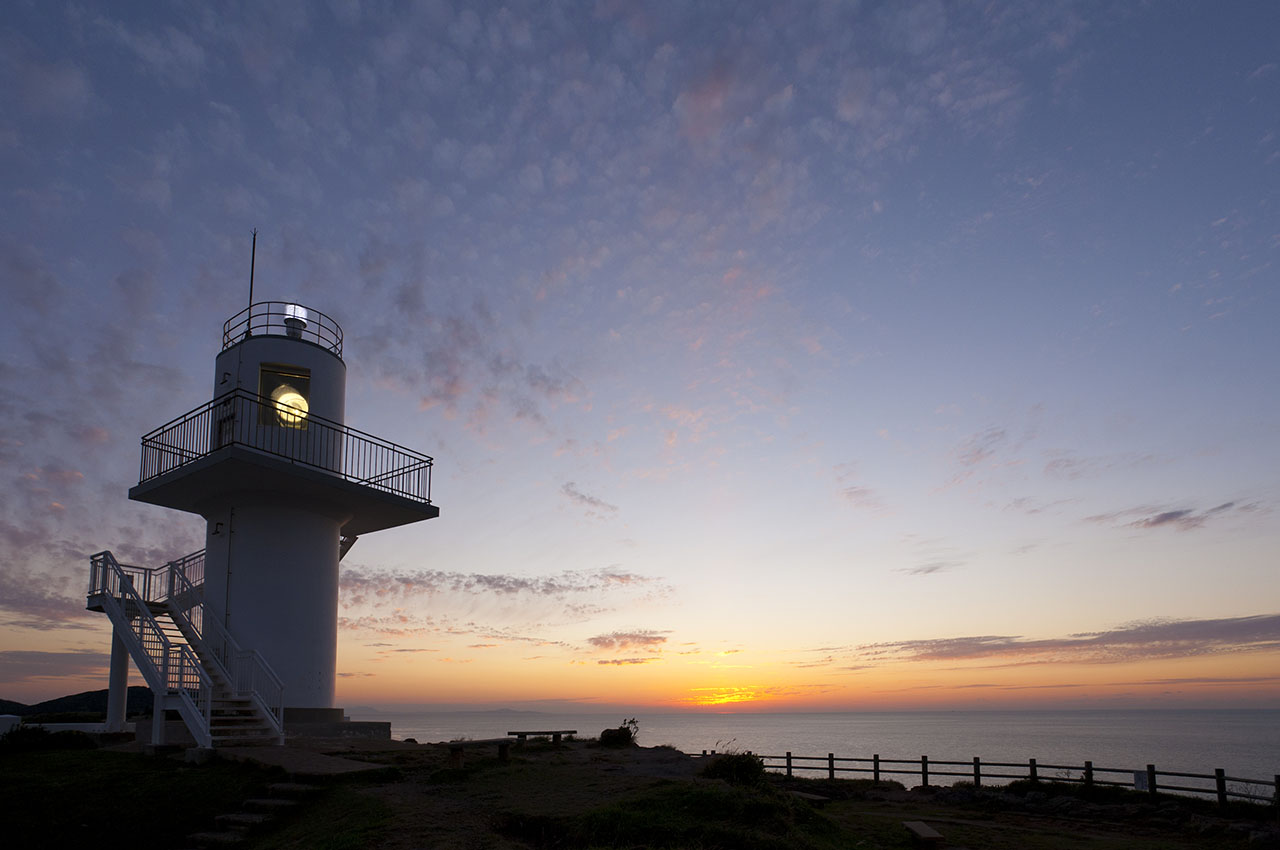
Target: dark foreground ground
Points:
(575, 795)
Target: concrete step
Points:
(225, 838)
(237, 736)
(270, 804)
(292, 789)
(243, 821)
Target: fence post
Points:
(1031, 772)
(1220, 780)
(977, 773)
(1151, 779)
(924, 771)
(788, 762)
(831, 765)
(875, 769)
(1088, 774)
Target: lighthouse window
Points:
(286, 394)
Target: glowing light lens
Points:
(291, 406)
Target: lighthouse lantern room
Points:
(240, 638)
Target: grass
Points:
(577, 797)
(94, 798)
(344, 817)
(678, 814)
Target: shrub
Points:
(28, 739)
(624, 736)
(736, 769)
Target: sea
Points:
(1245, 742)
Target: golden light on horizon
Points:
(723, 696)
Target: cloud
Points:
(170, 54)
(1072, 468)
(1154, 639)
(931, 567)
(1181, 519)
(629, 640)
(625, 661)
(35, 600)
(361, 586)
(595, 506)
(404, 625)
(58, 88)
(981, 447)
(26, 665)
(752, 693)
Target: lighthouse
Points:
(241, 637)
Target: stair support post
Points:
(157, 721)
(118, 684)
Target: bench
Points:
(456, 748)
(923, 835)
(554, 733)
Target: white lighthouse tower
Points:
(241, 638)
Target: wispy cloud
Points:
(1154, 639)
(931, 567)
(25, 665)
(1181, 519)
(620, 662)
(596, 507)
(629, 640)
(361, 586)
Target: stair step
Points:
(217, 839)
(242, 820)
(270, 804)
(292, 789)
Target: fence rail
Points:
(1217, 784)
(235, 419)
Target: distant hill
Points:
(140, 701)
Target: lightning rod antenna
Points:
(253, 256)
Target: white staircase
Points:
(224, 694)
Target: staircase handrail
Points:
(246, 670)
(168, 669)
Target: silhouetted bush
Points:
(624, 736)
(736, 768)
(26, 739)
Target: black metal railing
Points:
(283, 318)
(235, 419)
(978, 771)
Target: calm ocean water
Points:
(1246, 743)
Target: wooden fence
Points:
(1216, 784)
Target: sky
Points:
(773, 356)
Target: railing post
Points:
(977, 773)
(924, 771)
(788, 762)
(831, 765)
(1088, 774)
(1031, 772)
(1151, 779)
(875, 767)
(1220, 781)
